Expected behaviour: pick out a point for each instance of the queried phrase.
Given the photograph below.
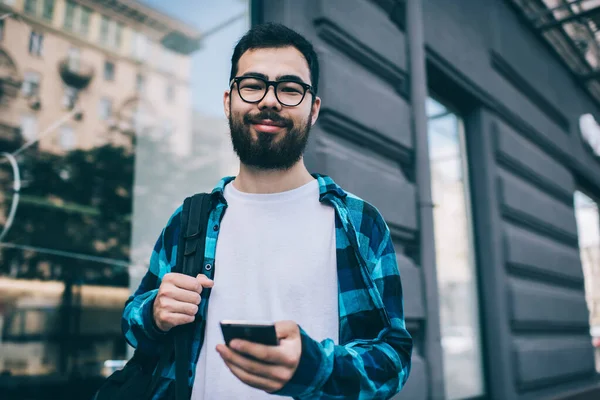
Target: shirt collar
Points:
(326, 186)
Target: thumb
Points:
(286, 329)
(204, 281)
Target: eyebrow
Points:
(293, 78)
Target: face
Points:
(268, 135)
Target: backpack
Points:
(139, 378)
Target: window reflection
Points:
(120, 135)
(456, 275)
(588, 230)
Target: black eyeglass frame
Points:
(306, 86)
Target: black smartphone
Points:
(251, 331)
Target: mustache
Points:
(267, 114)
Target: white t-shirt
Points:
(275, 260)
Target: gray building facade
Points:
(521, 106)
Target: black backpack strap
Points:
(190, 257)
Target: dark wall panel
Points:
(379, 47)
(524, 202)
(349, 104)
(541, 256)
(370, 179)
(518, 46)
(412, 287)
(531, 161)
(541, 307)
(550, 361)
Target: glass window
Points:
(48, 11)
(67, 138)
(69, 97)
(31, 83)
(84, 26)
(96, 195)
(31, 7)
(29, 127)
(118, 36)
(588, 229)
(456, 269)
(109, 71)
(36, 43)
(74, 58)
(105, 111)
(139, 46)
(104, 30)
(69, 22)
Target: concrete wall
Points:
(521, 107)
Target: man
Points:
(289, 247)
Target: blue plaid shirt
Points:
(373, 358)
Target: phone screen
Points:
(256, 332)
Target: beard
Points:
(265, 153)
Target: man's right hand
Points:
(177, 300)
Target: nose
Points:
(270, 100)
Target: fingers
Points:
(169, 320)
(266, 354)
(256, 374)
(179, 307)
(187, 282)
(204, 281)
(186, 296)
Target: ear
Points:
(316, 107)
(226, 103)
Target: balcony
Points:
(77, 75)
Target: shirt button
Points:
(208, 267)
(216, 228)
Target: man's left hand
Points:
(270, 368)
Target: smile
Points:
(268, 126)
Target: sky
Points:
(211, 64)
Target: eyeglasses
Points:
(288, 93)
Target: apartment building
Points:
(124, 65)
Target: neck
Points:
(252, 180)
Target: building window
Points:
(84, 18)
(77, 18)
(70, 97)
(67, 138)
(69, 23)
(43, 8)
(105, 109)
(1, 30)
(31, 83)
(36, 43)
(29, 127)
(170, 92)
(139, 46)
(140, 83)
(74, 59)
(109, 71)
(31, 7)
(48, 10)
(111, 33)
(588, 232)
(455, 256)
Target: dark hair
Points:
(271, 35)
